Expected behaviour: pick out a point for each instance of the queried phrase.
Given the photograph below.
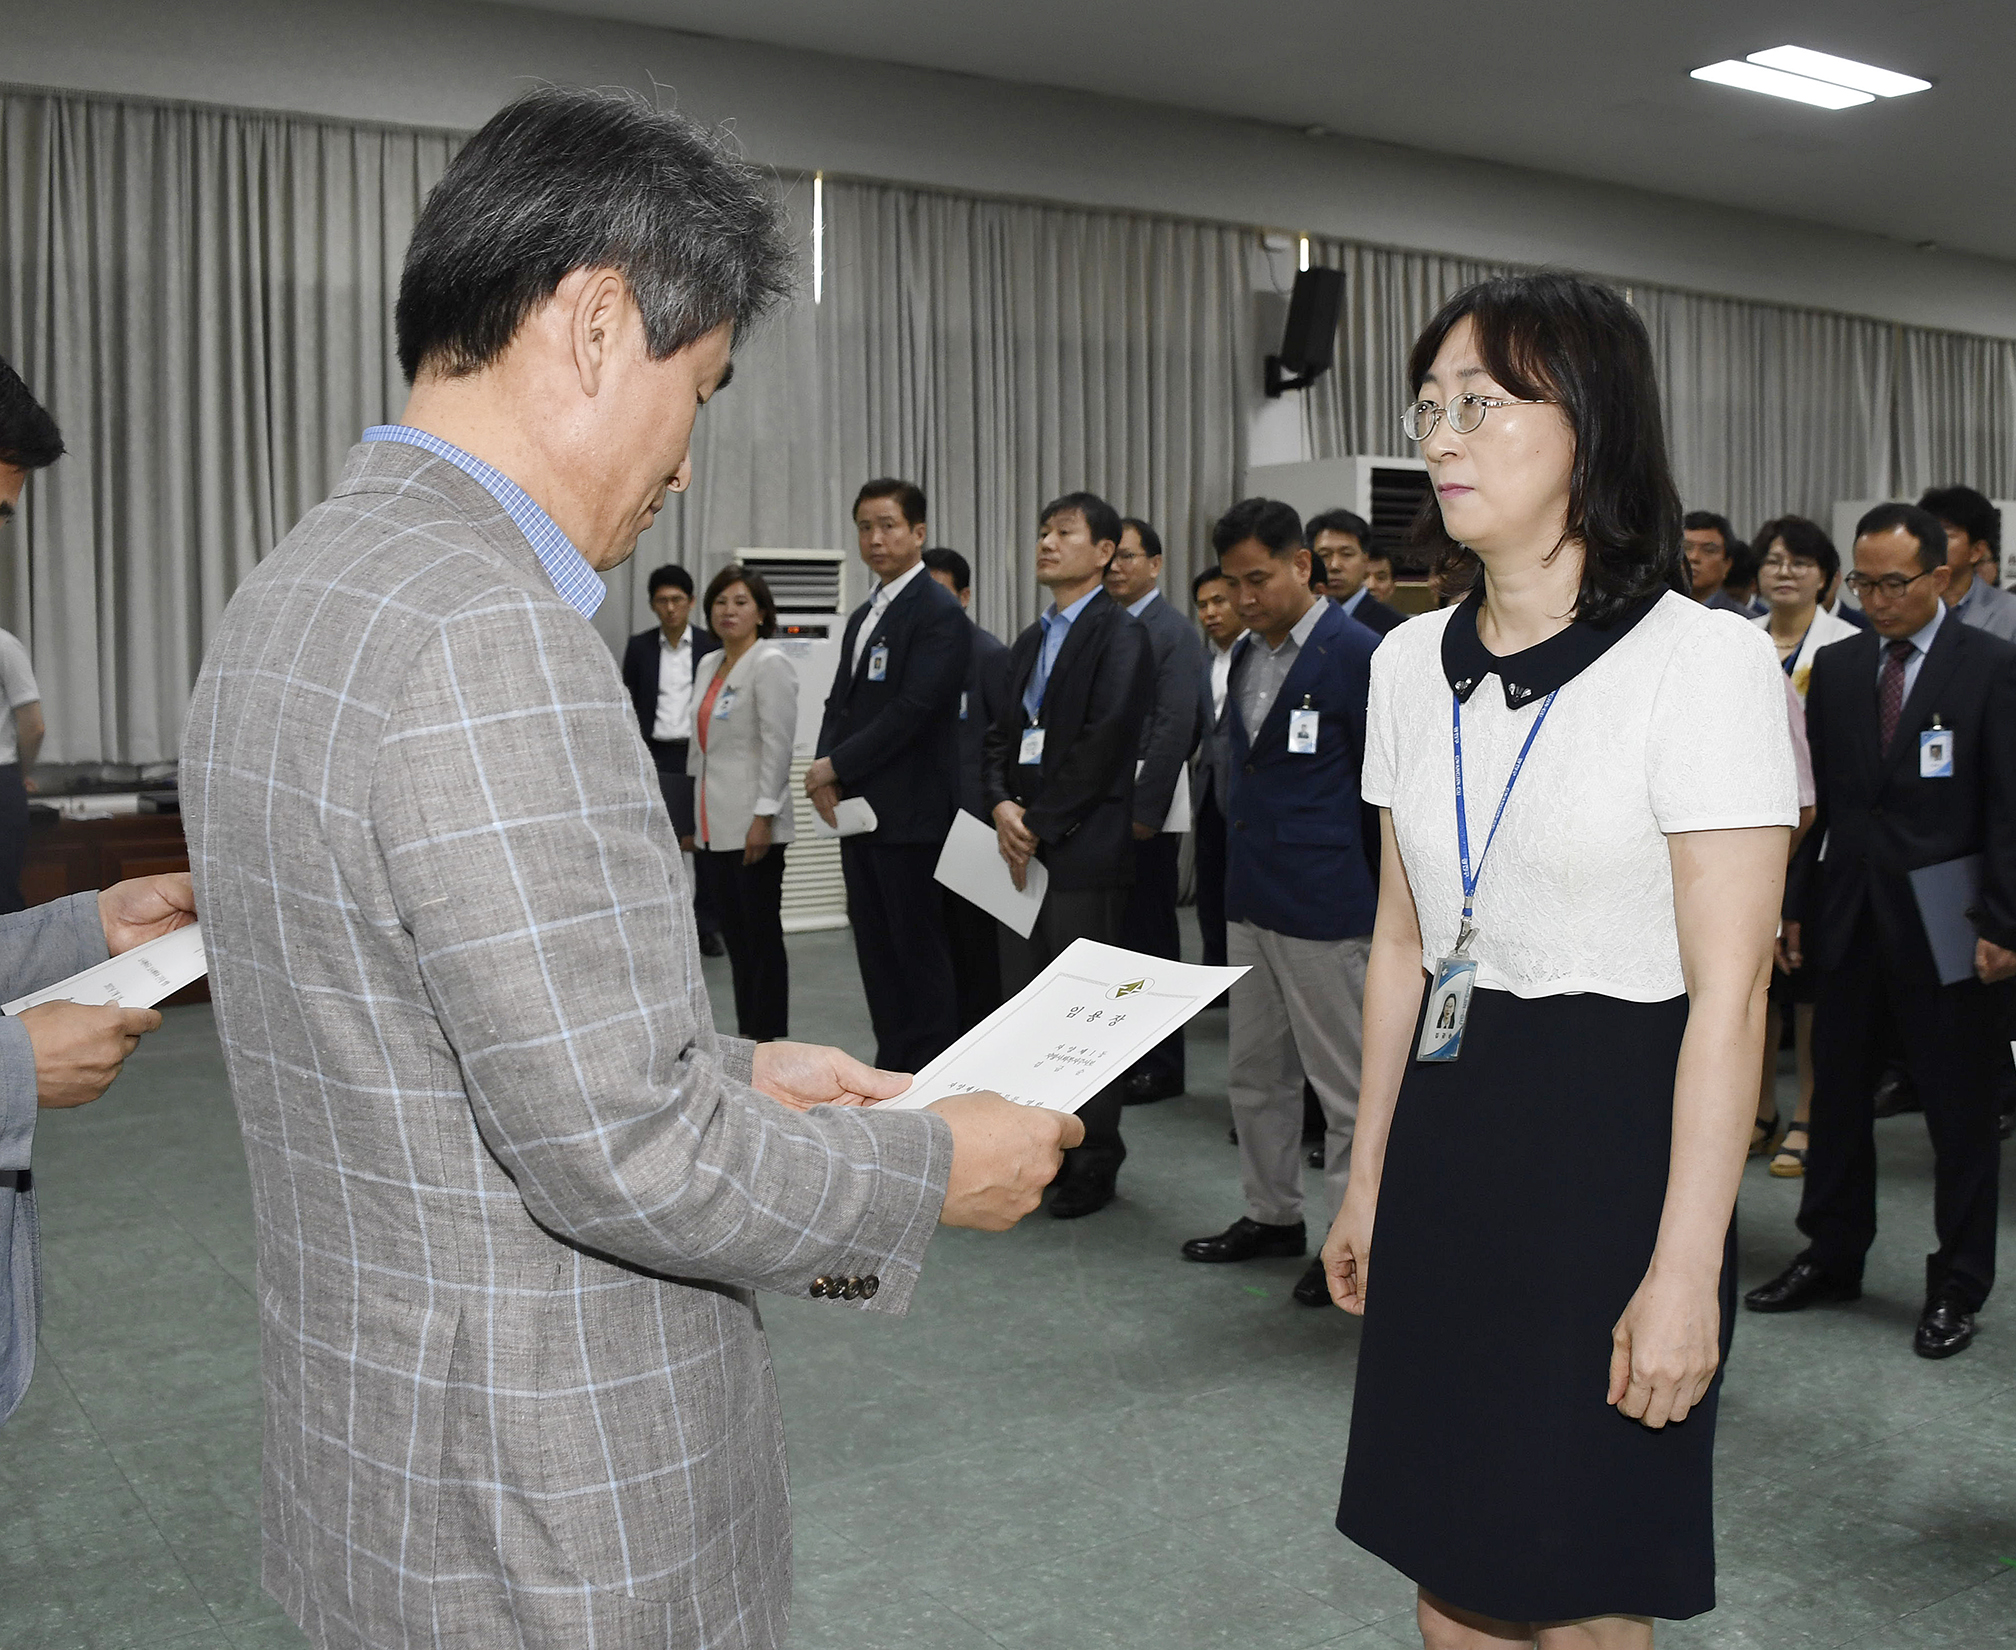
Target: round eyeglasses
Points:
(1465, 413)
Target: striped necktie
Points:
(1890, 691)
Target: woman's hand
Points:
(1665, 1349)
(757, 843)
(1347, 1251)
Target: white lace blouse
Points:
(1678, 724)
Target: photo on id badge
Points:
(1448, 1010)
(1935, 752)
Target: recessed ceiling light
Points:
(1842, 71)
(1754, 77)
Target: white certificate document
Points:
(1075, 1028)
(139, 978)
(852, 816)
(970, 864)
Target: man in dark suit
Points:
(891, 734)
(1059, 772)
(976, 953)
(659, 666)
(1342, 542)
(1714, 556)
(1913, 732)
(1167, 738)
(1299, 897)
(1211, 593)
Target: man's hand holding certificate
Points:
(1079, 1024)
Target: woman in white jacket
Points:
(1798, 564)
(745, 719)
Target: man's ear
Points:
(596, 319)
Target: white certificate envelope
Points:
(970, 864)
(139, 978)
(1075, 1028)
(851, 817)
(1177, 820)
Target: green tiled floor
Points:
(1074, 1441)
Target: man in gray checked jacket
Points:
(513, 1193)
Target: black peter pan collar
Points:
(1533, 672)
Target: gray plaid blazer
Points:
(512, 1192)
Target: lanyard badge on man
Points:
(1456, 974)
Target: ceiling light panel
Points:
(1754, 77)
(1841, 71)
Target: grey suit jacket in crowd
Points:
(1181, 713)
(37, 948)
(512, 1192)
(746, 757)
(1991, 609)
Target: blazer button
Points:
(851, 1290)
(1238, 824)
(868, 1287)
(821, 1288)
(1249, 767)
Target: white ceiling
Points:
(1597, 90)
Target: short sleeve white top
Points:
(1679, 724)
(17, 688)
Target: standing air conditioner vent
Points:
(799, 586)
(1397, 497)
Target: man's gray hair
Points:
(565, 179)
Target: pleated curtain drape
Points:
(1001, 353)
(204, 299)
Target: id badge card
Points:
(1935, 754)
(724, 703)
(1448, 1010)
(1032, 747)
(962, 706)
(1302, 732)
(878, 663)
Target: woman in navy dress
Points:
(1586, 784)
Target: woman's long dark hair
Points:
(1559, 338)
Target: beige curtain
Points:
(1001, 353)
(1956, 412)
(203, 299)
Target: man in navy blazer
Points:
(1299, 896)
(976, 955)
(1059, 775)
(659, 667)
(1342, 541)
(891, 735)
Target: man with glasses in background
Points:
(1913, 731)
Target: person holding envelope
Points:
(744, 721)
(1913, 730)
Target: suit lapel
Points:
(1078, 640)
(1934, 675)
(858, 673)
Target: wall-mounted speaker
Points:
(1309, 340)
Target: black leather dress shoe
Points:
(1896, 1094)
(1800, 1285)
(1312, 1288)
(1085, 1193)
(1945, 1328)
(1248, 1240)
(711, 945)
(2007, 1126)
(1145, 1087)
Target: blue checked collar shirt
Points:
(578, 584)
(1056, 626)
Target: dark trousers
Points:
(13, 835)
(1148, 924)
(1067, 915)
(676, 786)
(1209, 825)
(976, 959)
(899, 941)
(749, 900)
(1887, 994)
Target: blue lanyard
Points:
(1462, 821)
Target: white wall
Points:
(450, 63)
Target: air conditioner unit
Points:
(812, 589)
(1387, 492)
